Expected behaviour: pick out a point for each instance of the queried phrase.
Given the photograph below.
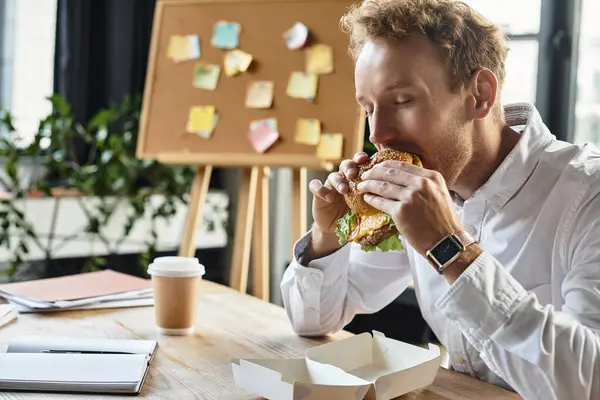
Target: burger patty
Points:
(378, 236)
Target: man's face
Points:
(405, 89)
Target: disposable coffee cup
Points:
(176, 285)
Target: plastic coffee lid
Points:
(179, 267)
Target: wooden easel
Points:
(251, 230)
(252, 224)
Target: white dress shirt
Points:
(526, 314)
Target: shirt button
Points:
(471, 229)
(497, 199)
(315, 275)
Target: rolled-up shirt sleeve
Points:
(541, 351)
(325, 295)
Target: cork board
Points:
(169, 93)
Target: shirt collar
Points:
(521, 161)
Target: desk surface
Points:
(198, 367)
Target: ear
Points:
(483, 89)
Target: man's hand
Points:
(417, 199)
(328, 206)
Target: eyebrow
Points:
(394, 86)
(398, 85)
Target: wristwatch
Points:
(448, 249)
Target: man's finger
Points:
(395, 176)
(404, 166)
(337, 181)
(387, 206)
(321, 191)
(349, 169)
(360, 157)
(382, 188)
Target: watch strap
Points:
(465, 238)
(462, 238)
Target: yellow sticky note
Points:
(302, 85)
(201, 119)
(236, 61)
(259, 94)
(178, 48)
(206, 76)
(319, 59)
(330, 146)
(308, 131)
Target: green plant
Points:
(110, 172)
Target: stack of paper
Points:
(93, 290)
(7, 314)
(64, 364)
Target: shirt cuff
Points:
(483, 297)
(331, 267)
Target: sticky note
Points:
(330, 146)
(202, 121)
(262, 134)
(308, 131)
(193, 47)
(302, 85)
(183, 48)
(226, 35)
(296, 37)
(206, 76)
(272, 122)
(259, 94)
(177, 48)
(236, 61)
(319, 59)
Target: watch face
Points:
(445, 250)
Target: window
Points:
(587, 103)
(522, 29)
(27, 77)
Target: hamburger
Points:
(364, 224)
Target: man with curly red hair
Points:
(500, 228)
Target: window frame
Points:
(557, 66)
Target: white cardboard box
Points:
(359, 367)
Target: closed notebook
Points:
(61, 364)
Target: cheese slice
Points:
(368, 224)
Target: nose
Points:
(381, 129)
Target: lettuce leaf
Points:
(392, 243)
(345, 226)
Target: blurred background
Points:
(73, 203)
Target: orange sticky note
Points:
(330, 146)
(308, 131)
(259, 94)
(302, 85)
(319, 59)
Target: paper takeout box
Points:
(359, 367)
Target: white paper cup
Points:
(176, 285)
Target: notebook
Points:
(75, 365)
(78, 290)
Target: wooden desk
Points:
(198, 367)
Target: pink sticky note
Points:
(262, 137)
